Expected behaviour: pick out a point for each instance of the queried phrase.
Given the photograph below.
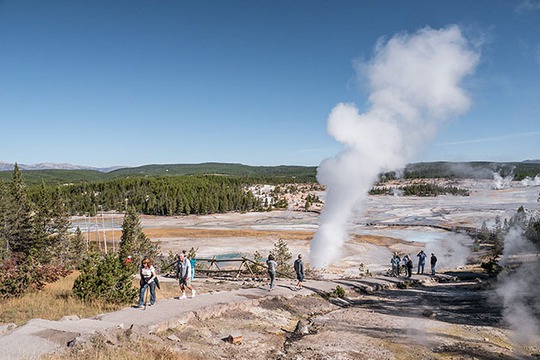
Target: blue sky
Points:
(105, 83)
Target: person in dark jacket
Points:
(433, 263)
(395, 261)
(421, 261)
(299, 269)
(408, 265)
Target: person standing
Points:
(148, 274)
(299, 269)
(408, 265)
(183, 275)
(395, 261)
(272, 265)
(433, 261)
(421, 261)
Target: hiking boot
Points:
(183, 296)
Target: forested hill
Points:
(268, 173)
(476, 170)
(302, 172)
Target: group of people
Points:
(185, 272)
(271, 264)
(396, 262)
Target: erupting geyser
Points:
(414, 87)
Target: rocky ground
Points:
(453, 316)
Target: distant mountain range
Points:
(4, 166)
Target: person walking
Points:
(272, 265)
(299, 269)
(433, 261)
(183, 275)
(395, 261)
(148, 274)
(421, 262)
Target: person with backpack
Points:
(148, 275)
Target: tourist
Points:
(271, 264)
(128, 260)
(148, 274)
(299, 269)
(408, 265)
(191, 263)
(421, 262)
(433, 263)
(183, 275)
(395, 264)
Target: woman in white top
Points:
(148, 274)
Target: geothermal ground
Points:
(458, 318)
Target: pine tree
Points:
(282, 255)
(59, 228)
(19, 230)
(133, 241)
(41, 220)
(4, 206)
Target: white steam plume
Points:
(519, 288)
(414, 87)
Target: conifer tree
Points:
(42, 250)
(78, 247)
(59, 229)
(282, 255)
(19, 230)
(133, 241)
(4, 206)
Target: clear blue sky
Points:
(105, 83)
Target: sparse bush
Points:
(283, 256)
(338, 292)
(363, 271)
(258, 268)
(21, 274)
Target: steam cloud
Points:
(519, 289)
(414, 87)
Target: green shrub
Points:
(106, 279)
(338, 292)
(492, 267)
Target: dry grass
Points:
(212, 233)
(52, 303)
(127, 350)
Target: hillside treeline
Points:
(419, 190)
(171, 195)
(466, 170)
